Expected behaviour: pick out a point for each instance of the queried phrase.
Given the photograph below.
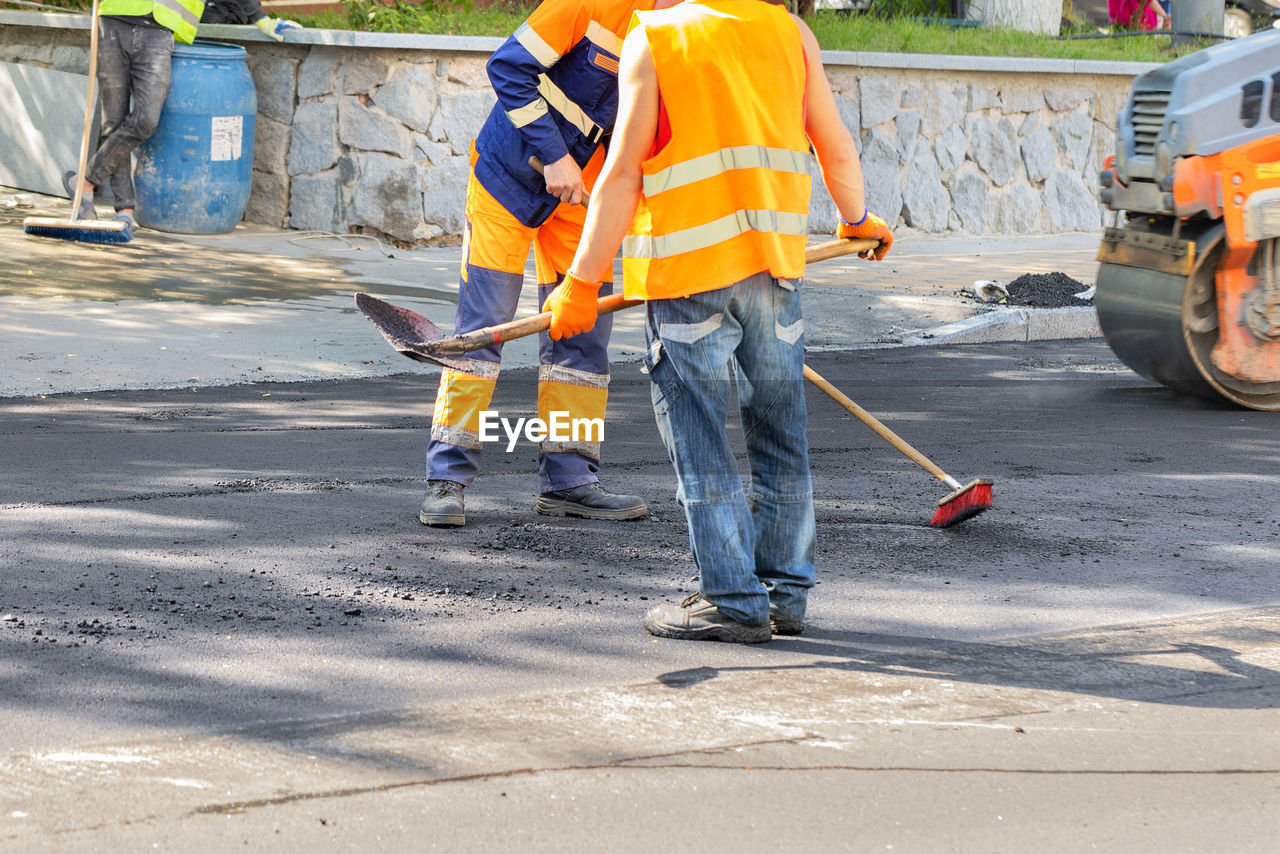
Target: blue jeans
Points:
(753, 554)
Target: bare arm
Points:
(618, 191)
(837, 155)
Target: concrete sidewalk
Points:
(260, 304)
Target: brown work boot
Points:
(697, 619)
(591, 501)
(442, 507)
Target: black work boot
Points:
(591, 501)
(442, 508)
(697, 619)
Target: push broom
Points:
(83, 230)
(416, 337)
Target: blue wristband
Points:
(865, 212)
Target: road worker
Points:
(533, 164)
(708, 181)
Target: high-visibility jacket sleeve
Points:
(516, 66)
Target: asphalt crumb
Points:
(1046, 290)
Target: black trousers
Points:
(134, 70)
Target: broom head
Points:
(82, 230)
(965, 503)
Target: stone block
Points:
(982, 97)
(969, 194)
(460, 116)
(1021, 99)
(409, 96)
(878, 96)
(444, 194)
(366, 129)
(364, 71)
(912, 95)
(1071, 133)
(276, 79)
(945, 109)
(993, 146)
(313, 146)
(313, 202)
(1038, 155)
(908, 127)
(388, 197)
(1061, 98)
(1070, 205)
(268, 199)
(925, 202)
(849, 111)
(1017, 210)
(469, 71)
(317, 73)
(72, 59)
(949, 149)
(880, 176)
(270, 145)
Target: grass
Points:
(835, 31)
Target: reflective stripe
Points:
(711, 233)
(188, 16)
(455, 436)
(544, 53)
(476, 369)
(571, 111)
(530, 112)
(604, 39)
(571, 376)
(718, 162)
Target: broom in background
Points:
(83, 230)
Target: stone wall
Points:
(370, 132)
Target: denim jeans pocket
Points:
(664, 388)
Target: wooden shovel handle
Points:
(481, 339)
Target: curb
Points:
(1014, 324)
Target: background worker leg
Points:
(494, 251)
(574, 374)
(135, 63)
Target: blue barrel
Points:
(194, 174)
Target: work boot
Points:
(443, 508)
(591, 501)
(86, 199)
(130, 224)
(697, 619)
(785, 625)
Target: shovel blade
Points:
(408, 332)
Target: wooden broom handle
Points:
(875, 424)
(88, 112)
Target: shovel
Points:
(415, 336)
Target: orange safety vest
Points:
(727, 196)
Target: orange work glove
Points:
(572, 306)
(870, 227)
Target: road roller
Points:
(1189, 275)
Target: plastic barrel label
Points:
(225, 140)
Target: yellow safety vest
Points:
(726, 195)
(180, 16)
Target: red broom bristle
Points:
(963, 504)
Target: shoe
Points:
(442, 507)
(591, 501)
(786, 625)
(697, 619)
(86, 199)
(130, 225)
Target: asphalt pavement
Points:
(223, 626)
